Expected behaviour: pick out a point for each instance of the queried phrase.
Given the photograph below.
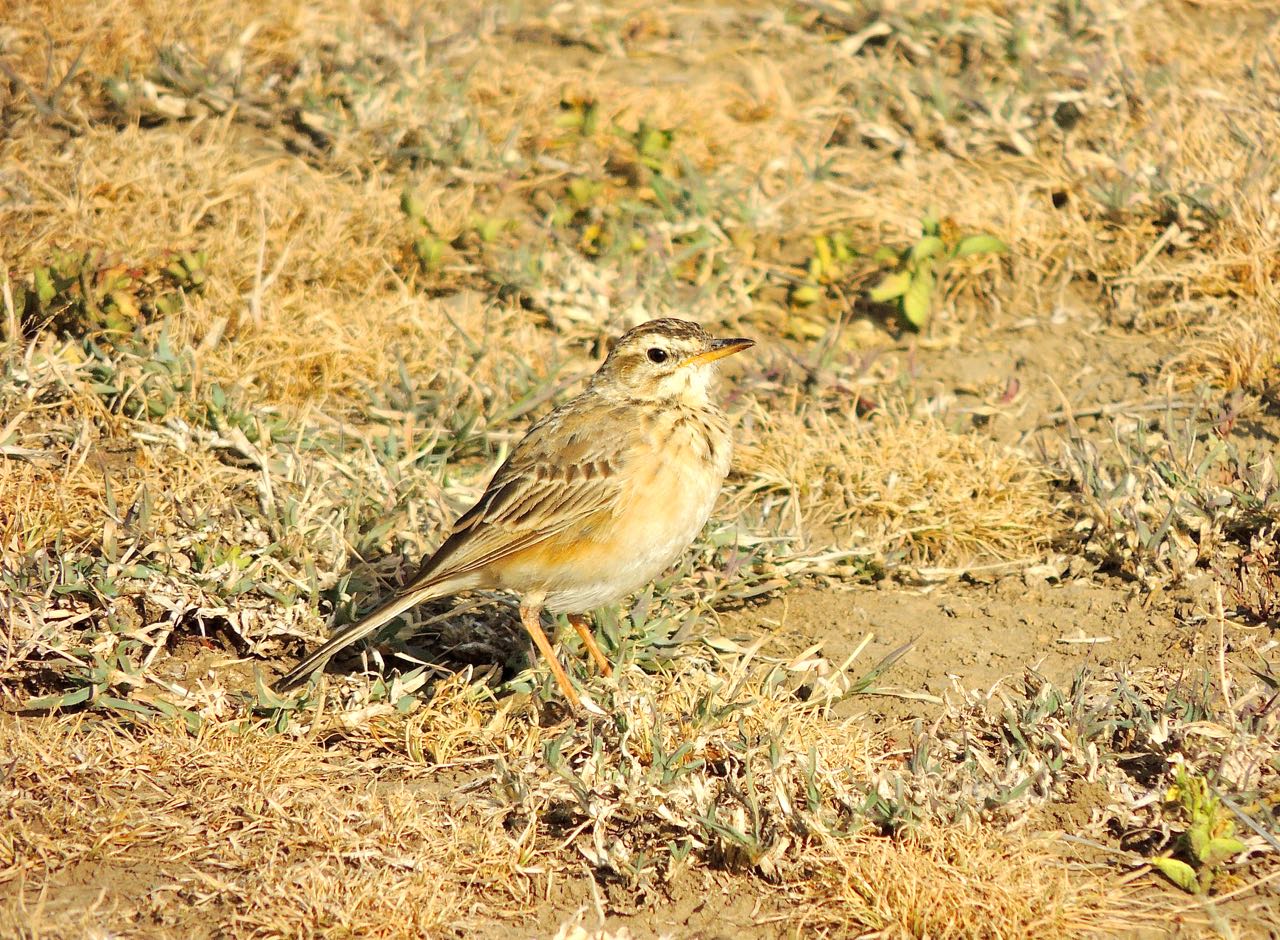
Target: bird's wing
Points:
(563, 472)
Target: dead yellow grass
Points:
(304, 259)
(900, 484)
(239, 832)
(958, 883)
(227, 832)
(300, 260)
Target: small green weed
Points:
(98, 685)
(829, 264)
(428, 247)
(1164, 495)
(78, 293)
(915, 271)
(1209, 839)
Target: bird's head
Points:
(663, 360)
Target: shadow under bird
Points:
(599, 498)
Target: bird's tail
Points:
(354, 633)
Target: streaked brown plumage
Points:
(600, 496)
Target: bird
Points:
(600, 497)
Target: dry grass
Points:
(275, 821)
(907, 488)
(329, 832)
(191, 497)
(963, 883)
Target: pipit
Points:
(597, 500)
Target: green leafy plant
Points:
(428, 247)
(653, 145)
(489, 228)
(1209, 839)
(579, 115)
(106, 685)
(79, 293)
(140, 378)
(829, 263)
(915, 271)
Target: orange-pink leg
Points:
(529, 614)
(583, 627)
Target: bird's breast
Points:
(672, 476)
(675, 487)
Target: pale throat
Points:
(691, 386)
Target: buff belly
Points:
(613, 555)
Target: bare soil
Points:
(975, 635)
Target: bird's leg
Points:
(583, 627)
(530, 611)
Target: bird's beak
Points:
(718, 349)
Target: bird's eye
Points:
(657, 355)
